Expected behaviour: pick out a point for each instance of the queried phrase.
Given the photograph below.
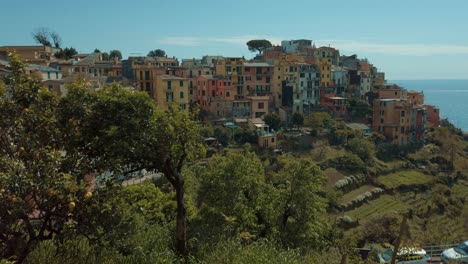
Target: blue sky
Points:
(407, 39)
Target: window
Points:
(402, 129)
(259, 78)
(48, 75)
(247, 69)
(227, 94)
(181, 84)
(272, 140)
(403, 113)
(181, 95)
(213, 82)
(56, 75)
(381, 120)
(191, 91)
(148, 87)
(169, 84)
(147, 75)
(261, 105)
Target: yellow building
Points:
(231, 68)
(285, 69)
(325, 66)
(171, 89)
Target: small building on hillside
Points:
(366, 130)
(266, 137)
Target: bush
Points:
(350, 181)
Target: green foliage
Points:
(300, 183)
(350, 163)
(318, 120)
(262, 251)
(245, 135)
(66, 53)
(115, 54)
(39, 183)
(231, 190)
(297, 119)
(388, 151)
(358, 108)
(157, 53)
(273, 120)
(258, 45)
(363, 148)
(223, 135)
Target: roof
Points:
(256, 121)
(42, 68)
(257, 64)
(357, 126)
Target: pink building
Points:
(257, 78)
(215, 94)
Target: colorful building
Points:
(325, 67)
(215, 94)
(433, 115)
(170, 89)
(232, 68)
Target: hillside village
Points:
(294, 78)
(372, 152)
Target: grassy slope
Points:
(404, 178)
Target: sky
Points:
(407, 39)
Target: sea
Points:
(451, 96)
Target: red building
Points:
(433, 115)
(335, 103)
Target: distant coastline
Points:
(451, 96)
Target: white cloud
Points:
(396, 49)
(343, 45)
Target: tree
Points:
(273, 120)
(56, 39)
(105, 56)
(317, 120)
(47, 38)
(358, 108)
(258, 45)
(41, 36)
(231, 194)
(157, 53)
(41, 184)
(178, 140)
(301, 207)
(115, 54)
(66, 53)
(297, 119)
(363, 148)
(96, 51)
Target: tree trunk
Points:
(181, 221)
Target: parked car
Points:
(457, 254)
(406, 256)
